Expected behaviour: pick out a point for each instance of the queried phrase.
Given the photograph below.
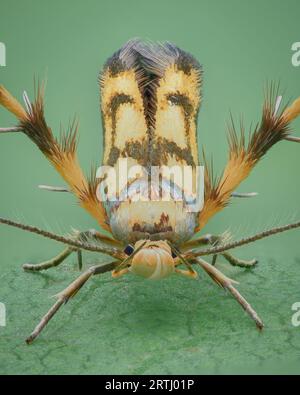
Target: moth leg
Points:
(64, 296)
(57, 260)
(191, 273)
(119, 273)
(187, 273)
(79, 259)
(227, 283)
(217, 240)
(123, 267)
(201, 241)
(214, 259)
(239, 262)
(67, 240)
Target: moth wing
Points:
(123, 106)
(175, 96)
(150, 97)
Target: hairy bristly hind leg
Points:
(227, 283)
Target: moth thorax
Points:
(153, 261)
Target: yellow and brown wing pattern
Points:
(150, 98)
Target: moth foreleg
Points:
(187, 273)
(119, 273)
(68, 293)
(191, 273)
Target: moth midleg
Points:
(71, 241)
(57, 260)
(234, 261)
(68, 293)
(214, 259)
(215, 240)
(239, 262)
(79, 259)
(200, 241)
(227, 283)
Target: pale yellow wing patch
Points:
(123, 113)
(178, 100)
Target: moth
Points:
(150, 99)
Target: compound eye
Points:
(174, 255)
(128, 249)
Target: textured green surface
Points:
(130, 325)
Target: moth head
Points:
(153, 261)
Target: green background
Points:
(130, 325)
